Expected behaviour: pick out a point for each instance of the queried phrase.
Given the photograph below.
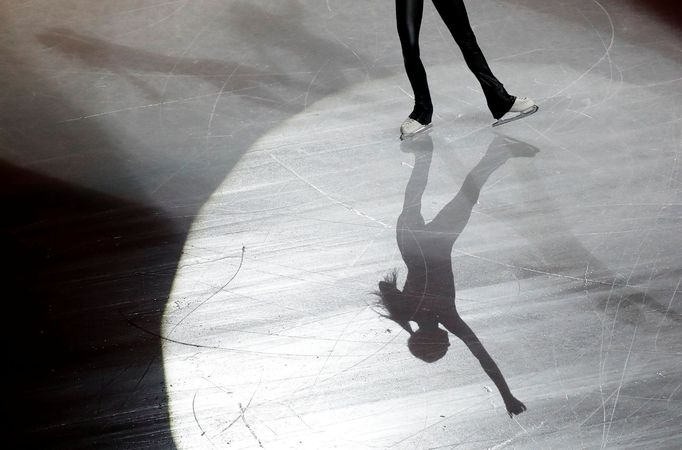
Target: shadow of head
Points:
(429, 344)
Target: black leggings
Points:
(409, 17)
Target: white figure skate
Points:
(411, 128)
(523, 106)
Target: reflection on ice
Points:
(428, 295)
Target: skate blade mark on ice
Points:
(532, 110)
(421, 130)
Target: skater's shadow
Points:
(428, 295)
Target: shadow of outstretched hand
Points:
(514, 406)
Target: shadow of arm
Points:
(454, 324)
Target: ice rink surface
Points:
(200, 198)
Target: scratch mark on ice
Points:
(241, 262)
(312, 82)
(260, 444)
(196, 419)
(670, 304)
(217, 99)
(607, 52)
(328, 196)
(620, 386)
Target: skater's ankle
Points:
(422, 113)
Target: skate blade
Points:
(421, 130)
(532, 110)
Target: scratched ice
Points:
(266, 134)
(567, 268)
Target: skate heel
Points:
(521, 114)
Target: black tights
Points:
(409, 17)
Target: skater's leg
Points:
(409, 17)
(454, 14)
(455, 215)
